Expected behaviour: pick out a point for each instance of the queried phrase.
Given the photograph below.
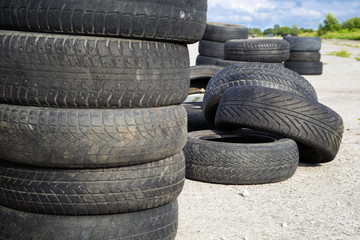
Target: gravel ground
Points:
(318, 202)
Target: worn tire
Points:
(166, 20)
(195, 115)
(253, 74)
(305, 68)
(90, 138)
(227, 63)
(239, 157)
(317, 128)
(204, 60)
(91, 191)
(211, 49)
(304, 44)
(259, 50)
(304, 57)
(157, 223)
(200, 76)
(91, 72)
(222, 32)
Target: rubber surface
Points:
(239, 157)
(253, 74)
(317, 128)
(258, 50)
(91, 191)
(157, 223)
(90, 138)
(304, 44)
(227, 63)
(211, 49)
(204, 60)
(305, 68)
(196, 120)
(166, 20)
(304, 56)
(222, 32)
(51, 70)
(200, 76)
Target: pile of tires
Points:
(211, 47)
(267, 119)
(304, 55)
(91, 126)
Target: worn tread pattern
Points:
(253, 74)
(304, 44)
(153, 224)
(90, 138)
(91, 191)
(166, 20)
(316, 127)
(305, 68)
(270, 50)
(91, 72)
(222, 32)
(211, 49)
(239, 163)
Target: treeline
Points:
(279, 31)
(332, 24)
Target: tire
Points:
(200, 76)
(203, 60)
(211, 49)
(304, 44)
(167, 20)
(305, 68)
(90, 138)
(259, 50)
(222, 32)
(227, 63)
(316, 128)
(48, 70)
(253, 74)
(195, 115)
(239, 157)
(304, 57)
(156, 223)
(91, 191)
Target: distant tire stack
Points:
(91, 129)
(304, 55)
(211, 47)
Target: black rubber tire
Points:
(222, 32)
(195, 115)
(304, 44)
(47, 70)
(227, 63)
(211, 49)
(304, 57)
(157, 223)
(200, 76)
(90, 138)
(258, 50)
(305, 68)
(204, 60)
(166, 20)
(253, 74)
(91, 191)
(317, 128)
(239, 157)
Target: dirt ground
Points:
(318, 202)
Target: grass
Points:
(195, 99)
(343, 34)
(325, 63)
(357, 59)
(342, 53)
(308, 34)
(347, 45)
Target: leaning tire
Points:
(239, 157)
(304, 44)
(204, 60)
(316, 128)
(305, 68)
(90, 138)
(222, 32)
(91, 72)
(167, 20)
(269, 51)
(253, 74)
(91, 191)
(156, 223)
(211, 49)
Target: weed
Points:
(357, 59)
(342, 53)
(324, 63)
(196, 99)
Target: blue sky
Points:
(265, 13)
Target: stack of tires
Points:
(91, 126)
(304, 55)
(211, 47)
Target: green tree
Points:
(269, 31)
(352, 23)
(276, 29)
(255, 31)
(330, 24)
(284, 31)
(295, 30)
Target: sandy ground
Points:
(318, 202)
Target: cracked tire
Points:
(166, 20)
(90, 138)
(50, 70)
(157, 223)
(239, 157)
(317, 128)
